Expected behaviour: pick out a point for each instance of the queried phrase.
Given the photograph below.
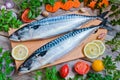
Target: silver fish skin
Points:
(55, 49)
(49, 27)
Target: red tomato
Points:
(64, 70)
(81, 67)
(24, 16)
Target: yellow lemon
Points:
(97, 65)
(20, 52)
(101, 45)
(91, 50)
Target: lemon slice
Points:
(101, 45)
(20, 52)
(91, 50)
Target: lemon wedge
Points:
(20, 52)
(91, 50)
(101, 46)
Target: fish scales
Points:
(55, 49)
(49, 27)
(58, 40)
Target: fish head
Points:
(22, 34)
(30, 64)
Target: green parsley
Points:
(98, 76)
(109, 64)
(37, 75)
(78, 77)
(52, 74)
(51, 2)
(7, 21)
(116, 75)
(115, 42)
(117, 58)
(34, 7)
(6, 67)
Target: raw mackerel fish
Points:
(56, 49)
(49, 27)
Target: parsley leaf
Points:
(34, 7)
(115, 42)
(116, 75)
(37, 75)
(6, 69)
(78, 77)
(117, 58)
(109, 64)
(7, 21)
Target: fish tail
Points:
(104, 24)
(101, 16)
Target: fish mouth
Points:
(23, 70)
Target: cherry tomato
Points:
(81, 67)
(24, 16)
(64, 70)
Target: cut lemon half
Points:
(101, 45)
(91, 50)
(20, 52)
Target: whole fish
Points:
(55, 49)
(49, 27)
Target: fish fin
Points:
(104, 24)
(103, 14)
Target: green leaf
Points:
(109, 64)
(8, 70)
(115, 42)
(30, 14)
(107, 77)
(51, 2)
(70, 78)
(6, 28)
(7, 21)
(116, 75)
(117, 58)
(1, 49)
(64, 1)
(81, 0)
(78, 77)
(113, 7)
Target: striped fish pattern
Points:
(56, 49)
(49, 27)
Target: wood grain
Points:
(74, 54)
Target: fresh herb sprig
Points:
(116, 75)
(109, 64)
(52, 74)
(78, 77)
(115, 42)
(117, 58)
(98, 76)
(110, 67)
(115, 12)
(37, 75)
(6, 67)
(7, 21)
(51, 2)
(34, 7)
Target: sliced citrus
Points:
(20, 52)
(91, 50)
(101, 45)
